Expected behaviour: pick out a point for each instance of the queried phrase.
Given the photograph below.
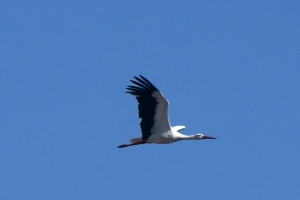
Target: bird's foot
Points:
(122, 146)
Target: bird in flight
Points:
(153, 111)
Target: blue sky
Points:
(229, 69)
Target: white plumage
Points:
(153, 111)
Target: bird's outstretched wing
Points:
(153, 107)
(177, 128)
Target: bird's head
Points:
(200, 136)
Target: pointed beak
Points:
(208, 137)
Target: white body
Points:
(167, 137)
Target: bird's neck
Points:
(186, 137)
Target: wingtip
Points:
(136, 77)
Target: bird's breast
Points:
(162, 138)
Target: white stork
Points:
(153, 110)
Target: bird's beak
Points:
(208, 137)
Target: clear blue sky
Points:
(230, 69)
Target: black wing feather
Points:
(144, 82)
(143, 91)
(151, 85)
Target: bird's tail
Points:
(135, 140)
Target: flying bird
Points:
(153, 111)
